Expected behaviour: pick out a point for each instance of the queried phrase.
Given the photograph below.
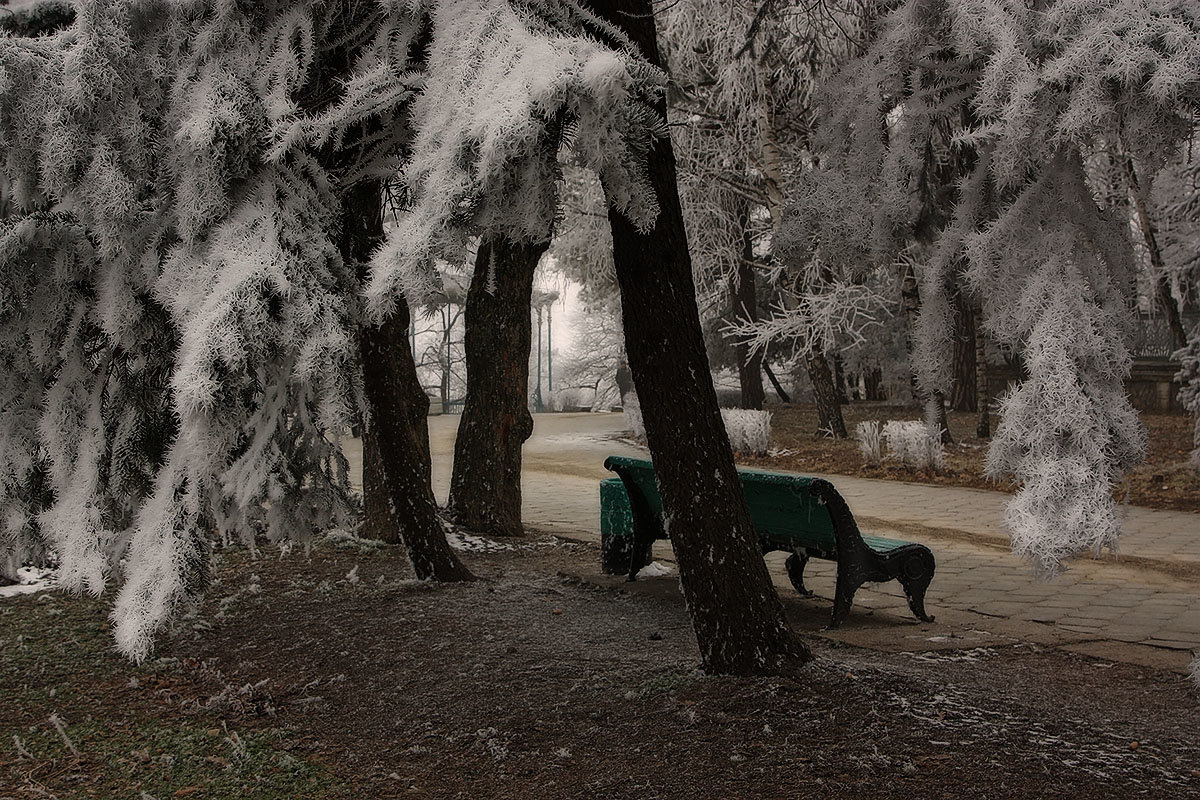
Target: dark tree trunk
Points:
(736, 614)
(378, 520)
(983, 429)
(398, 423)
(784, 397)
(744, 302)
(825, 395)
(910, 301)
(873, 385)
(825, 385)
(485, 490)
(963, 394)
(839, 379)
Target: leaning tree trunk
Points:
(744, 303)
(485, 490)
(736, 614)
(1162, 287)
(784, 397)
(398, 405)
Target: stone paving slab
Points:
(1093, 600)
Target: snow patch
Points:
(33, 580)
(475, 544)
(654, 570)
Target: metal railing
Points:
(1152, 335)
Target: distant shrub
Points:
(869, 436)
(749, 431)
(915, 444)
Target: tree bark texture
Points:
(910, 301)
(825, 395)
(983, 428)
(485, 489)
(396, 473)
(736, 614)
(963, 393)
(744, 300)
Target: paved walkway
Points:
(1148, 595)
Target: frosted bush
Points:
(915, 444)
(181, 333)
(749, 431)
(869, 435)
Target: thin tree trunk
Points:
(398, 407)
(935, 402)
(784, 397)
(873, 385)
(826, 393)
(910, 301)
(744, 302)
(839, 380)
(485, 489)
(736, 614)
(444, 357)
(983, 428)
(819, 374)
(1162, 286)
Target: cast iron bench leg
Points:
(915, 576)
(646, 527)
(795, 570)
(849, 577)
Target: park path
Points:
(1148, 595)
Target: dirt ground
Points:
(1165, 480)
(336, 676)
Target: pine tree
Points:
(742, 114)
(177, 368)
(1053, 271)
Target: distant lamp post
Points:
(543, 300)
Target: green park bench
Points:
(798, 514)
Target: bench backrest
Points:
(781, 506)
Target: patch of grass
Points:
(124, 728)
(165, 760)
(665, 683)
